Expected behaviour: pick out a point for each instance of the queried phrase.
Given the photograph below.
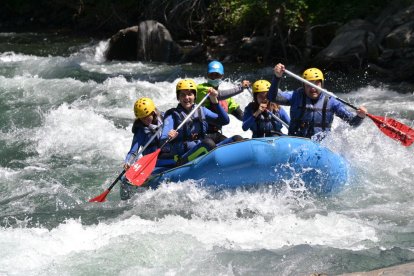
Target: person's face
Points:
(186, 98)
(214, 76)
(311, 92)
(148, 119)
(261, 97)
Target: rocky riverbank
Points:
(383, 45)
(398, 270)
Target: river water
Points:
(66, 117)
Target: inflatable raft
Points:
(263, 161)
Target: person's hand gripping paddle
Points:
(390, 127)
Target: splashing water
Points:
(65, 129)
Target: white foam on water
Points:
(74, 132)
(100, 50)
(249, 220)
(97, 63)
(385, 103)
(180, 225)
(167, 241)
(7, 173)
(12, 57)
(29, 90)
(29, 65)
(126, 68)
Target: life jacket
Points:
(266, 125)
(138, 128)
(224, 104)
(212, 128)
(202, 90)
(194, 129)
(309, 117)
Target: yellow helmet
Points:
(313, 74)
(186, 84)
(143, 107)
(261, 86)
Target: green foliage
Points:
(342, 11)
(195, 17)
(251, 16)
(237, 14)
(248, 16)
(295, 12)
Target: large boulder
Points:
(385, 45)
(156, 44)
(396, 33)
(149, 41)
(123, 45)
(353, 45)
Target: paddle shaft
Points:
(102, 196)
(399, 131)
(339, 99)
(278, 119)
(135, 154)
(116, 180)
(274, 116)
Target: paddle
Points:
(102, 197)
(271, 113)
(278, 119)
(390, 127)
(142, 169)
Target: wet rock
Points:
(123, 45)
(398, 270)
(156, 44)
(149, 41)
(384, 46)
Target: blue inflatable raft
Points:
(263, 161)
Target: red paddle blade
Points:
(142, 169)
(101, 197)
(394, 129)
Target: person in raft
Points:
(215, 74)
(261, 116)
(191, 140)
(148, 123)
(311, 111)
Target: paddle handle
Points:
(320, 89)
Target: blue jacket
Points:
(264, 125)
(309, 117)
(194, 130)
(142, 135)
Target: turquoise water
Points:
(65, 118)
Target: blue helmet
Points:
(215, 67)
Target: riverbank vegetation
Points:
(182, 17)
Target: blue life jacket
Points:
(311, 117)
(307, 116)
(266, 125)
(192, 131)
(142, 134)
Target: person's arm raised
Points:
(390, 127)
